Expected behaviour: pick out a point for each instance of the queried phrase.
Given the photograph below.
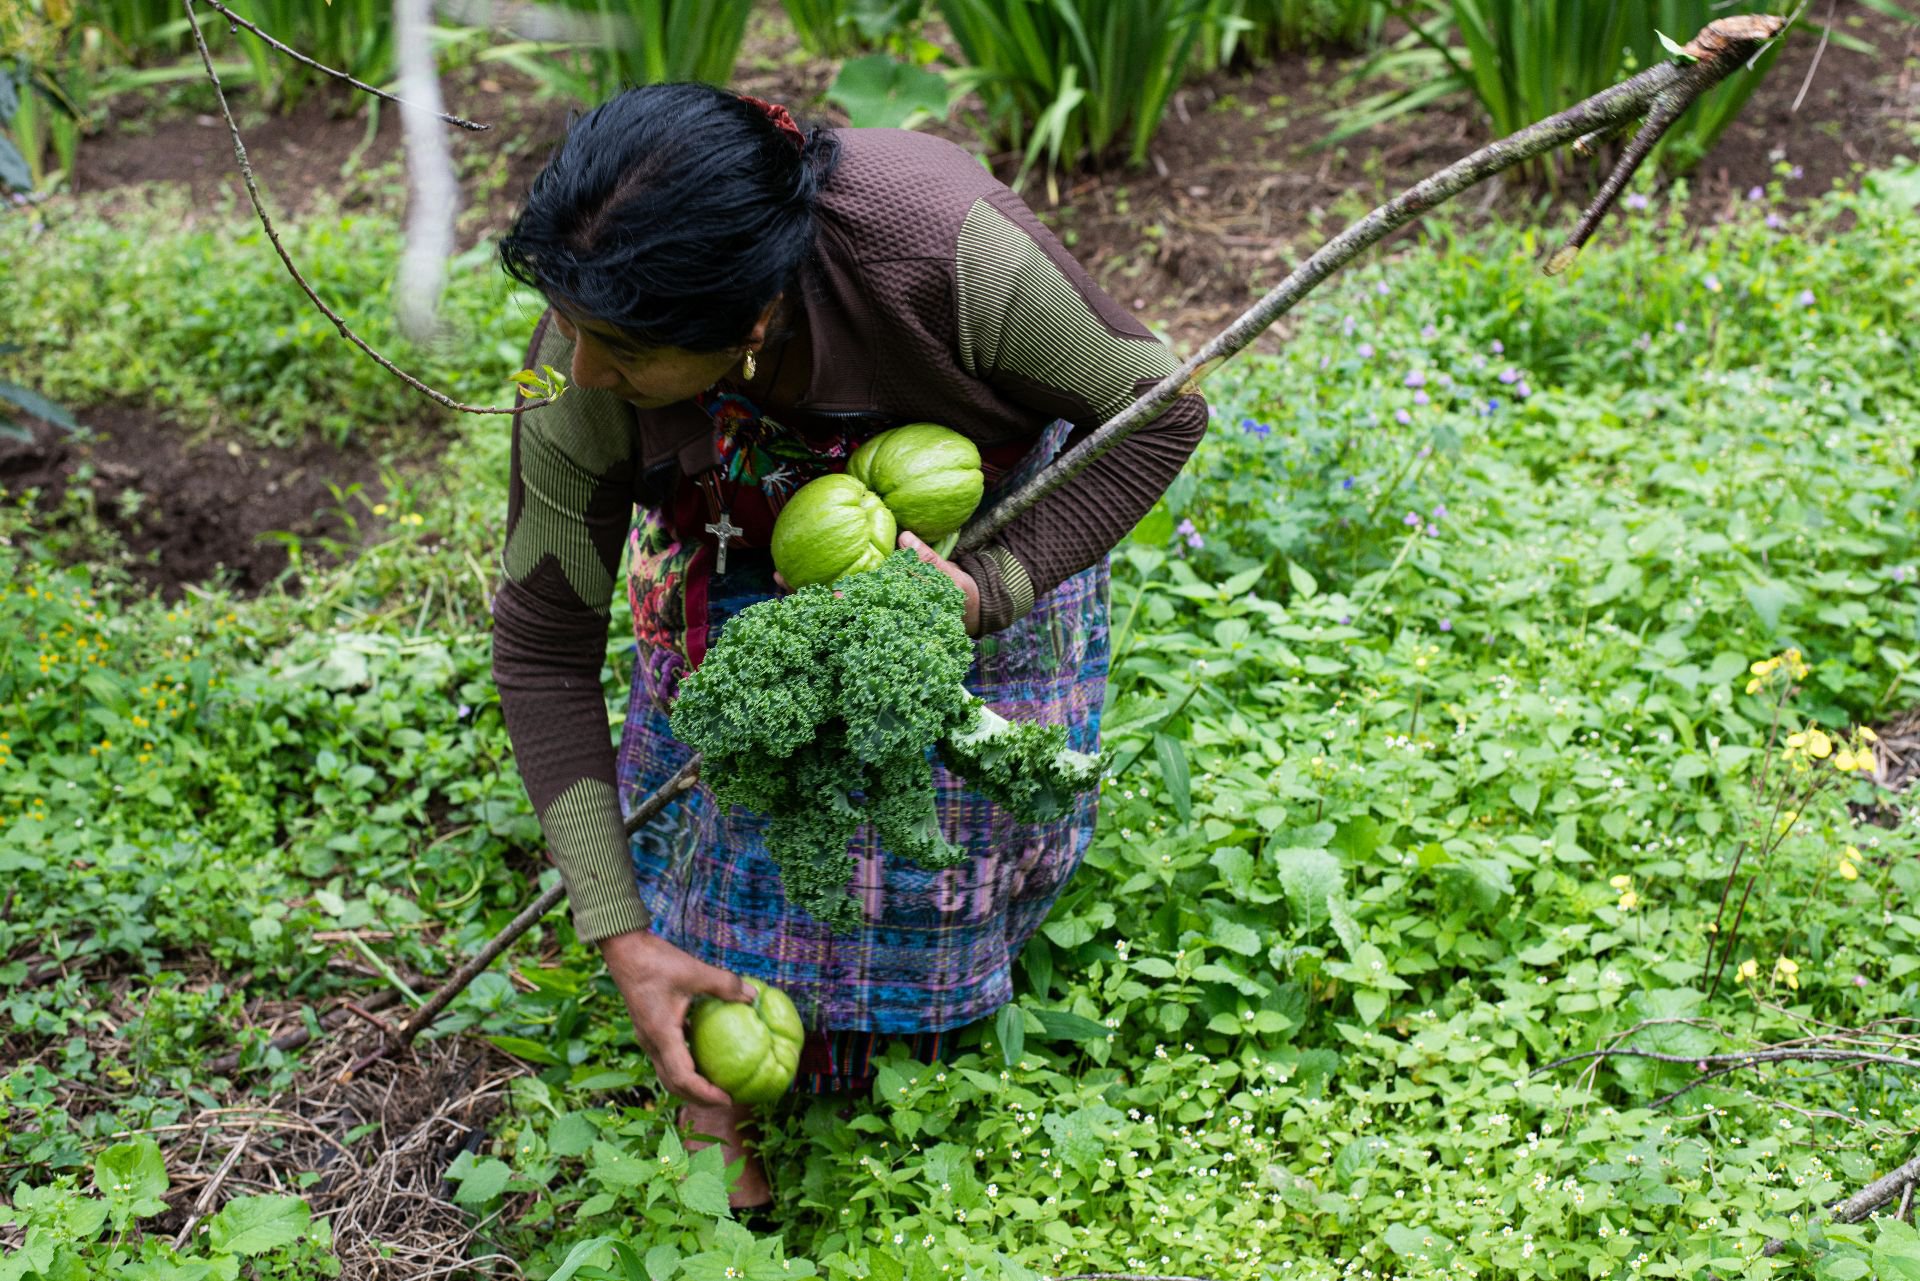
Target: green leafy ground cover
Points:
(1438, 734)
(205, 330)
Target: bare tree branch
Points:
(273, 236)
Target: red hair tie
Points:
(781, 117)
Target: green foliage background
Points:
(1447, 626)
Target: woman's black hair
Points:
(673, 213)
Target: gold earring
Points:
(747, 366)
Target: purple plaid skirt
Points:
(937, 947)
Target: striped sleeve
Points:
(1035, 326)
(569, 506)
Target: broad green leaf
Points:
(580, 1256)
(32, 402)
(1172, 755)
(879, 92)
(482, 1181)
(1012, 1031)
(1235, 937)
(255, 1224)
(1309, 876)
(1525, 796)
(132, 1177)
(572, 1134)
(1302, 581)
(1062, 1025)
(704, 1192)
(1768, 600)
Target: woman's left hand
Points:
(961, 578)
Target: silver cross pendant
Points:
(724, 531)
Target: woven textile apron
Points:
(936, 949)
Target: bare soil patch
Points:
(182, 510)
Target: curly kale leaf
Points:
(1023, 765)
(817, 709)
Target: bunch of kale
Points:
(818, 709)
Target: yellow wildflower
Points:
(1788, 970)
(1621, 882)
(1869, 735)
(1819, 746)
(1749, 970)
(1850, 861)
(1629, 901)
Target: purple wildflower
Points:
(1364, 351)
(1796, 172)
(1421, 398)
(1498, 348)
(1253, 428)
(1774, 221)
(1440, 512)
(1423, 451)
(1755, 193)
(1806, 298)
(1347, 483)
(1346, 327)
(1446, 624)
(1195, 541)
(1184, 528)
(1523, 391)
(1712, 282)
(1382, 289)
(1402, 417)
(1346, 619)
(1416, 379)
(1636, 201)
(1433, 531)
(463, 711)
(1679, 326)
(1427, 332)
(1509, 376)
(1411, 520)
(1446, 379)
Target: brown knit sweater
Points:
(934, 295)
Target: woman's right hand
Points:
(658, 982)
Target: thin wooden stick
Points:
(204, 1202)
(1660, 93)
(273, 236)
(299, 1036)
(1867, 1199)
(1745, 1058)
(235, 20)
